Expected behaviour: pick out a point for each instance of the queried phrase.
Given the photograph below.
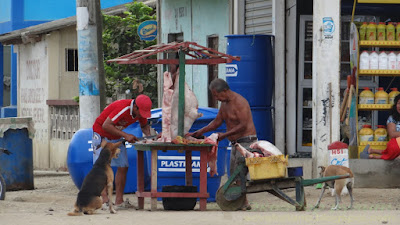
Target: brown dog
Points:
(339, 184)
(98, 178)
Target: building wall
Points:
(197, 20)
(63, 85)
(42, 76)
(5, 11)
(32, 96)
(34, 9)
(69, 82)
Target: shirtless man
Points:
(235, 111)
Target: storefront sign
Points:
(328, 27)
(147, 30)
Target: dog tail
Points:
(75, 213)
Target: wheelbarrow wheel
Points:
(226, 205)
(2, 188)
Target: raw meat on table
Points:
(211, 155)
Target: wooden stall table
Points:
(165, 146)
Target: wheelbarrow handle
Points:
(309, 182)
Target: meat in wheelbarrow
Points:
(265, 147)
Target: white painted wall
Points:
(32, 96)
(326, 81)
(42, 76)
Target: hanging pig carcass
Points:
(191, 108)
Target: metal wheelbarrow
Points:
(232, 195)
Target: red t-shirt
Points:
(120, 113)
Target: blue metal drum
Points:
(80, 158)
(17, 168)
(253, 75)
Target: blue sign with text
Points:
(147, 30)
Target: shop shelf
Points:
(380, 1)
(374, 106)
(379, 72)
(373, 143)
(387, 44)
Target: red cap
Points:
(144, 103)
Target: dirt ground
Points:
(54, 196)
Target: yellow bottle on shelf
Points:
(363, 31)
(380, 134)
(381, 97)
(366, 96)
(366, 133)
(392, 95)
(381, 31)
(371, 31)
(390, 32)
(398, 31)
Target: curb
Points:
(49, 173)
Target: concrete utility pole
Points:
(326, 79)
(90, 59)
(280, 90)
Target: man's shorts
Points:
(121, 161)
(235, 154)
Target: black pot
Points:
(179, 203)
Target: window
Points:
(212, 42)
(71, 60)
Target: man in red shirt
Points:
(109, 125)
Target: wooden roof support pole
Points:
(181, 105)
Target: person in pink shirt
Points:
(109, 125)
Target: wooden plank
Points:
(154, 178)
(203, 179)
(188, 166)
(181, 105)
(140, 178)
(172, 195)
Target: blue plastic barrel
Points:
(171, 164)
(17, 168)
(262, 118)
(253, 75)
(80, 158)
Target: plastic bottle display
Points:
(392, 61)
(398, 32)
(373, 60)
(390, 32)
(381, 31)
(380, 134)
(392, 95)
(366, 133)
(366, 96)
(398, 61)
(381, 97)
(364, 61)
(363, 31)
(383, 61)
(371, 32)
